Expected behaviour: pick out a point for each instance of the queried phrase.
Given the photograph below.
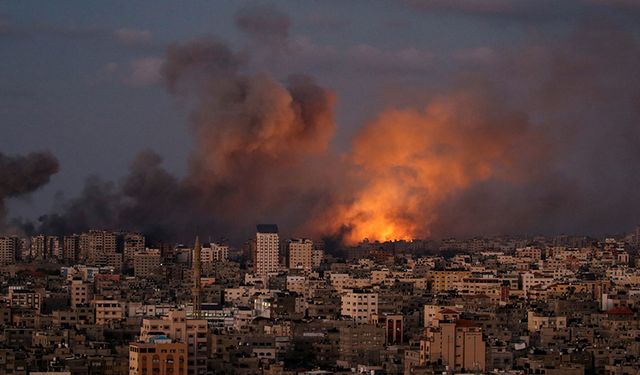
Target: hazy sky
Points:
(82, 78)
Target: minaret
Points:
(196, 291)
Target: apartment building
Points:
(360, 305)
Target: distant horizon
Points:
(221, 239)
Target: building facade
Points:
(179, 328)
(360, 305)
(159, 356)
(147, 263)
(8, 250)
(267, 250)
(301, 254)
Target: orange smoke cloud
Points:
(411, 160)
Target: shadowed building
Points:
(196, 291)
(158, 356)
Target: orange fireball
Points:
(412, 160)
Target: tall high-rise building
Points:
(71, 248)
(24, 248)
(44, 247)
(101, 246)
(55, 247)
(301, 254)
(8, 249)
(196, 291)
(83, 247)
(38, 246)
(267, 249)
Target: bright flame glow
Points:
(412, 160)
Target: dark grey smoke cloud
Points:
(264, 23)
(149, 199)
(255, 136)
(20, 175)
(256, 141)
(584, 94)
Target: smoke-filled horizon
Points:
(20, 175)
(541, 138)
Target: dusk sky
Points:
(522, 116)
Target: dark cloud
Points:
(264, 23)
(259, 149)
(268, 27)
(584, 92)
(199, 62)
(148, 199)
(539, 139)
(97, 206)
(20, 175)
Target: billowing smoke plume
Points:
(259, 145)
(546, 141)
(254, 135)
(21, 175)
(414, 159)
(584, 92)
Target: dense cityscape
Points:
(105, 302)
(277, 187)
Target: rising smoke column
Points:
(255, 137)
(20, 175)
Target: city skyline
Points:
(303, 187)
(115, 306)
